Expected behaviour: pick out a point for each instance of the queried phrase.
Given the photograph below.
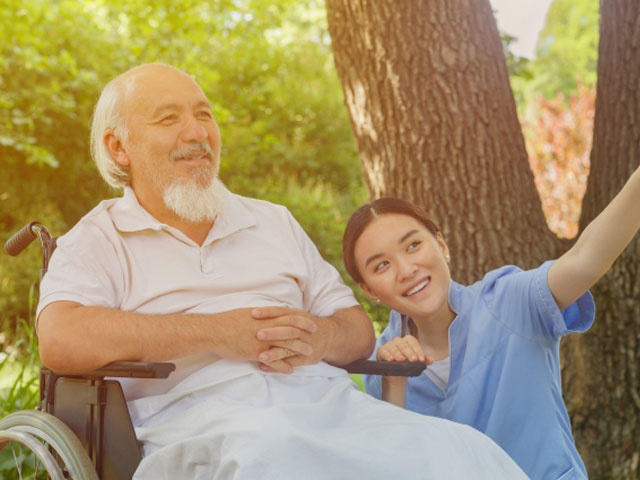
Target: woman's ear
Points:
(115, 147)
(443, 246)
(368, 292)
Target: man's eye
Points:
(205, 114)
(168, 119)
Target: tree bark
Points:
(605, 397)
(427, 89)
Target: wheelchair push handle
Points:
(27, 234)
(21, 239)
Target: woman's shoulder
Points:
(485, 290)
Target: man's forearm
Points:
(350, 336)
(75, 338)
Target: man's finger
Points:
(289, 316)
(295, 347)
(274, 354)
(282, 352)
(275, 334)
(279, 366)
(300, 322)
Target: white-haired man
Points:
(234, 292)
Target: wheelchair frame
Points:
(83, 419)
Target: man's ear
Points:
(115, 147)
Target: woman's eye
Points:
(413, 245)
(380, 266)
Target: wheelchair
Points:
(81, 428)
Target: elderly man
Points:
(233, 291)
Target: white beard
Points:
(193, 202)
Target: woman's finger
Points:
(392, 353)
(414, 345)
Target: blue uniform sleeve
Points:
(523, 302)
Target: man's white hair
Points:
(108, 115)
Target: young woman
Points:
(492, 347)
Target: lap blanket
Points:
(230, 420)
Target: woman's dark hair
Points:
(362, 217)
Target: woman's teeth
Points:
(417, 288)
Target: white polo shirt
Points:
(256, 254)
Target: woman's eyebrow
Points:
(407, 235)
(372, 258)
(402, 239)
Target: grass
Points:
(19, 369)
(19, 390)
(19, 376)
(357, 378)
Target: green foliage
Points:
(15, 454)
(566, 53)
(517, 66)
(265, 66)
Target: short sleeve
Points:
(324, 292)
(84, 269)
(523, 302)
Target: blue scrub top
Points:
(505, 368)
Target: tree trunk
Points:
(427, 90)
(606, 402)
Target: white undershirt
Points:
(439, 372)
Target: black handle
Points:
(20, 240)
(396, 369)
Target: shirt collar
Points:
(455, 296)
(129, 216)
(233, 216)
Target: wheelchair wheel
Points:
(46, 443)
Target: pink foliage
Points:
(558, 137)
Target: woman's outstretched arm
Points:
(598, 246)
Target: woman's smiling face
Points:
(404, 265)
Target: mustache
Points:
(192, 148)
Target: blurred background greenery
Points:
(268, 71)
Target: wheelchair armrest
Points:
(398, 369)
(129, 369)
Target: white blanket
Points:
(232, 421)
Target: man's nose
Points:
(193, 130)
